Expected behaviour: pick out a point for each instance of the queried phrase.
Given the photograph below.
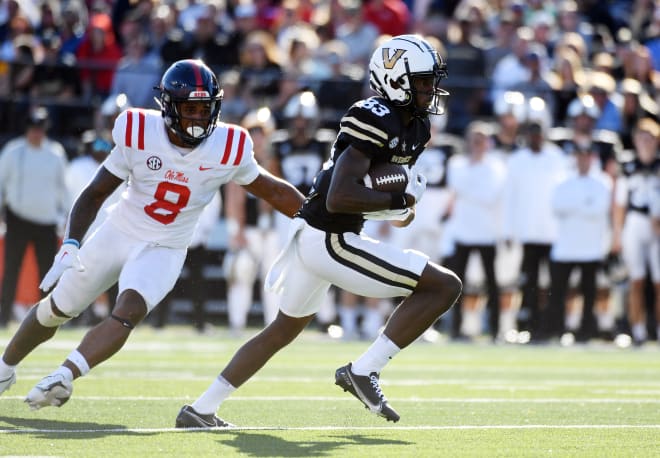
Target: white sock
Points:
(372, 321)
(657, 332)
(572, 322)
(5, 369)
(348, 320)
(605, 321)
(210, 400)
(66, 373)
(507, 321)
(79, 361)
(376, 357)
(639, 331)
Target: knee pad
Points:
(45, 315)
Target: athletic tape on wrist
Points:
(71, 242)
(79, 360)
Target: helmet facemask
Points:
(190, 81)
(197, 128)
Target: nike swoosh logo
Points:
(202, 168)
(415, 146)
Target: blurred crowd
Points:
(542, 176)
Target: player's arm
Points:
(281, 194)
(347, 194)
(89, 201)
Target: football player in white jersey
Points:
(173, 162)
(325, 244)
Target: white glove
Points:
(66, 258)
(416, 184)
(388, 215)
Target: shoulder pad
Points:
(139, 129)
(371, 122)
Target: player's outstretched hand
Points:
(66, 258)
(416, 184)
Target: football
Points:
(386, 177)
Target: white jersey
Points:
(167, 190)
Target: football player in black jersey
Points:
(325, 246)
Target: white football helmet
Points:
(302, 105)
(395, 62)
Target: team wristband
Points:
(398, 201)
(71, 242)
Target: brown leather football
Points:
(386, 177)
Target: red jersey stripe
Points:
(228, 145)
(129, 128)
(241, 145)
(141, 123)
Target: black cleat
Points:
(367, 390)
(189, 418)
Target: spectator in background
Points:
(98, 56)
(636, 104)
(633, 231)
(566, 79)
(570, 21)
(343, 85)
(476, 180)
(136, 71)
(218, 47)
(532, 174)
(72, 30)
(582, 114)
(602, 87)
(163, 20)
(466, 80)
(581, 205)
(511, 69)
(538, 84)
(34, 197)
(502, 43)
(391, 17)
(354, 31)
(260, 67)
(510, 113)
(55, 77)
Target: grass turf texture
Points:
(454, 400)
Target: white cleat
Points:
(52, 390)
(6, 383)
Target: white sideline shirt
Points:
(582, 207)
(167, 191)
(531, 181)
(32, 180)
(477, 188)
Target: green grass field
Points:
(454, 399)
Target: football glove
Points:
(66, 258)
(388, 215)
(416, 184)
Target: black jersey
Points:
(641, 179)
(300, 163)
(374, 127)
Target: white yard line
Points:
(393, 399)
(328, 428)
